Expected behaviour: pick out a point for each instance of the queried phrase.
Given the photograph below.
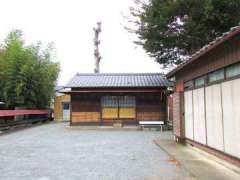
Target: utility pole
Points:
(97, 56)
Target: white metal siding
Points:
(214, 117)
(199, 116)
(188, 102)
(231, 116)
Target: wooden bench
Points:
(151, 124)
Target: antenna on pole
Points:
(96, 40)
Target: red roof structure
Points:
(5, 113)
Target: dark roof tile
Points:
(118, 80)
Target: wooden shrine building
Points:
(106, 99)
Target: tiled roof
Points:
(109, 80)
(219, 40)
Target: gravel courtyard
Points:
(57, 152)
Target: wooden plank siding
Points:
(58, 101)
(152, 107)
(85, 117)
(220, 57)
(86, 108)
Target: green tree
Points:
(14, 58)
(2, 75)
(170, 30)
(28, 76)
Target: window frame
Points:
(207, 78)
(204, 77)
(190, 87)
(234, 76)
(218, 80)
(64, 105)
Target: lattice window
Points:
(109, 101)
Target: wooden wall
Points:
(222, 56)
(58, 100)
(151, 107)
(86, 108)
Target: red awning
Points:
(4, 113)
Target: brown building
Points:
(62, 108)
(108, 99)
(61, 105)
(206, 101)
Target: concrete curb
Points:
(174, 159)
(216, 159)
(199, 164)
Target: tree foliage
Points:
(27, 74)
(170, 30)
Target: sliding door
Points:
(127, 107)
(231, 116)
(109, 107)
(118, 107)
(214, 117)
(199, 115)
(188, 102)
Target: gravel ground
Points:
(56, 152)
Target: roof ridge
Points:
(117, 74)
(205, 47)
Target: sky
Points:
(69, 25)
